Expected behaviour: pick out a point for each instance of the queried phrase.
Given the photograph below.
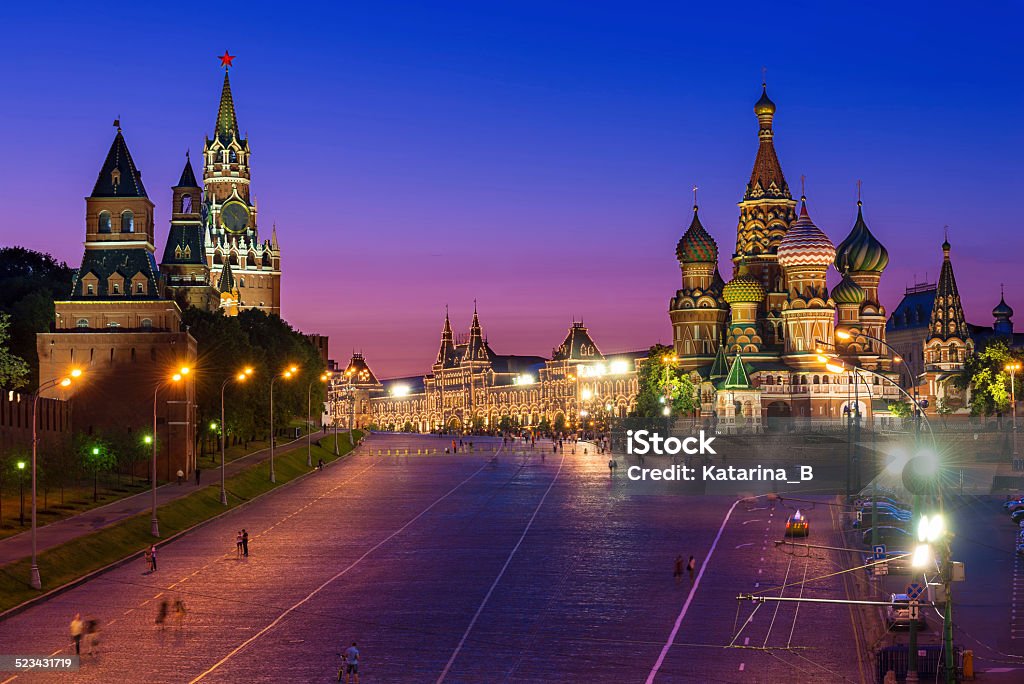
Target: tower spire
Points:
(227, 122)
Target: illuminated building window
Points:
(104, 222)
(127, 221)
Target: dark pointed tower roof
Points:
(188, 176)
(227, 122)
(577, 346)
(476, 348)
(118, 176)
(447, 355)
(358, 371)
(861, 251)
(947, 313)
(227, 278)
(720, 366)
(696, 245)
(766, 179)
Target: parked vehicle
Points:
(880, 501)
(881, 517)
(897, 614)
(1017, 516)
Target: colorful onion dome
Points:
(861, 251)
(1002, 310)
(764, 105)
(849, 292)
(805, 244)
(696, 245)
(744, 288)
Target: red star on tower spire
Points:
(226, 59)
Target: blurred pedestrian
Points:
(611, 467)
(92, 635)
(238, 544)
(180, 611)
(161, 614)
(198, 471)
(152, 557)
(677, 571)
(77, 628)
(149, 561)
(691, 566)
(181, 475)
(245, 543)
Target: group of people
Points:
(242, 544)
(677, 569)
(85, 630)
(151, 558)
(164, 609)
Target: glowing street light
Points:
(1012, 368)
(287, 375)
(324, 377)
(176, 377)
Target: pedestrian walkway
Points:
(20, 545)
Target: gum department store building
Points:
(750, 345)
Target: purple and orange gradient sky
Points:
(536, 157)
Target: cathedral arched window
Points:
(82, 323)
(232, 157)
(104, 222)
(127, 221)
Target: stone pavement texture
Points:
(528, 566)
(20, 545)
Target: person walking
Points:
(180, 611)
(351, 665)
(198, 472)
(691, 566)
(238, 544)
(677, 570)
(245, 543)
(181, 475)
(161, 614)
(92, 635)
(77, 628)
(152, 557)
(611, 467)
(149, 561)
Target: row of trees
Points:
(989, 382)
(268, 345)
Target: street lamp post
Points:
(34, 578)
(286, 375)
(21, 493)
(324, 377)
(240, 377)
(154, 522)
(1013, 368)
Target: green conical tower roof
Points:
(738, 378)
(227, 123)
(720, 367)
(227, 278)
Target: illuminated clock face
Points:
(234, 217)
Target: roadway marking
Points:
(494, 585)
(747, 522)
(740, 546)
(743, 666)
(689, 598)
(320, 588)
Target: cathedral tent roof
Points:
(766, 179)
(227, 278)
(185, 245)
(104, 263)
(227, 122)
(720, 366)
(738, 377)
(359, 371)
(118, 176)
(947, 314)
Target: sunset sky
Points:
(537, 157)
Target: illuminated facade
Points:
(472, 388)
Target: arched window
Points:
(186, 204)
(241, 282)
(127, 221)
(90, 289)
(104, 222)
(138, 288)
(147, 323)
(232, 157)
(82, 323)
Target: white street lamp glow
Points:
(618, 367)
(585, 395)
(666, 411)
(930, 529)
(922, 556)
(400, 391)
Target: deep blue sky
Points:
(536, 156)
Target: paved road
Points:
(463, 568)
(20, 545)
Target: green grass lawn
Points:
(67, 562)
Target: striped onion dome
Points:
(744, 288)
(696, 245)
(861, 251)
(848, 292)
(805, 244)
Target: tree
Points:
(13, 369)
(660, 382)
(96, 456)
(984, 373)
(900, 409)
(559, 424)
(944, 409)
(544, 426)
(505, 424)
(29, 283)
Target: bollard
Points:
(969, 664)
